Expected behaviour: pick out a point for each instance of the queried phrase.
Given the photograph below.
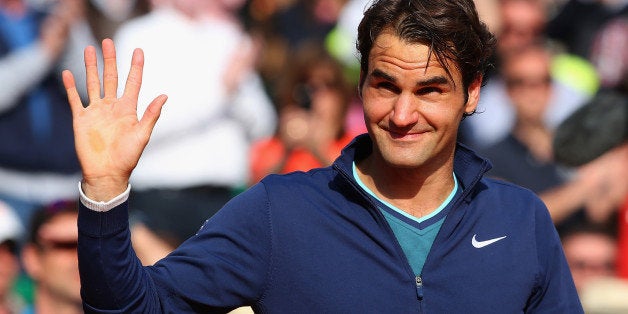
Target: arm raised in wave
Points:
(109, 137)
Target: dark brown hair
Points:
(451, 28)
(46, 213)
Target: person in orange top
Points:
(312, 101)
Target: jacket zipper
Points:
(382, 221)
(417, 278)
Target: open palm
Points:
(109, 138)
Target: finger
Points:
(73, 96)
(110, 72)
(91, 68)
(134, 80)
(152, 113)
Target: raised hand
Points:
(109, 138)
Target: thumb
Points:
(151, 115)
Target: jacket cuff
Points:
(103, 206)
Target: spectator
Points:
(11, 232)
(199, 156)
(285, 25)
(37, 159)
(591, 193)
(525, 155)
(50, 259)
(522, 24)
(591, 253)
(313, 101)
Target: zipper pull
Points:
(419, 287)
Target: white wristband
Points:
(103, 206)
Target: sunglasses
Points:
(518, 82)
(59, 245)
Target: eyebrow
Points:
(383, 75)
(435, 80)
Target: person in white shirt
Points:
(199, 152)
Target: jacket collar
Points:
(468, 166)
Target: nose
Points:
(404, 113)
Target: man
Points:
(524, 156)
(522, 24)
(591, 253)
(49, 258)
(38, 162)
(218, 104)
(350, 238)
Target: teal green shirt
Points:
(415, 235)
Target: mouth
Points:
(405, 135)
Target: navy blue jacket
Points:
(315, 242)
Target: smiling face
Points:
(412, 107)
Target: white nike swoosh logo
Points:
(480, 244)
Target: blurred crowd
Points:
(258, 87)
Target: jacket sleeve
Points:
(555, 291)
(224, 266)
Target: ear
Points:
(31, 261)
(473, 93)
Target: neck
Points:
(46, 303)
(417, 191)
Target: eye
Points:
(429, 90)
(387, 86)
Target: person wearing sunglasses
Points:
(50, 259)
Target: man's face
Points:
(412, 108)
(528, 84)
(590, 256)
(55, 262)
(522, 23)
